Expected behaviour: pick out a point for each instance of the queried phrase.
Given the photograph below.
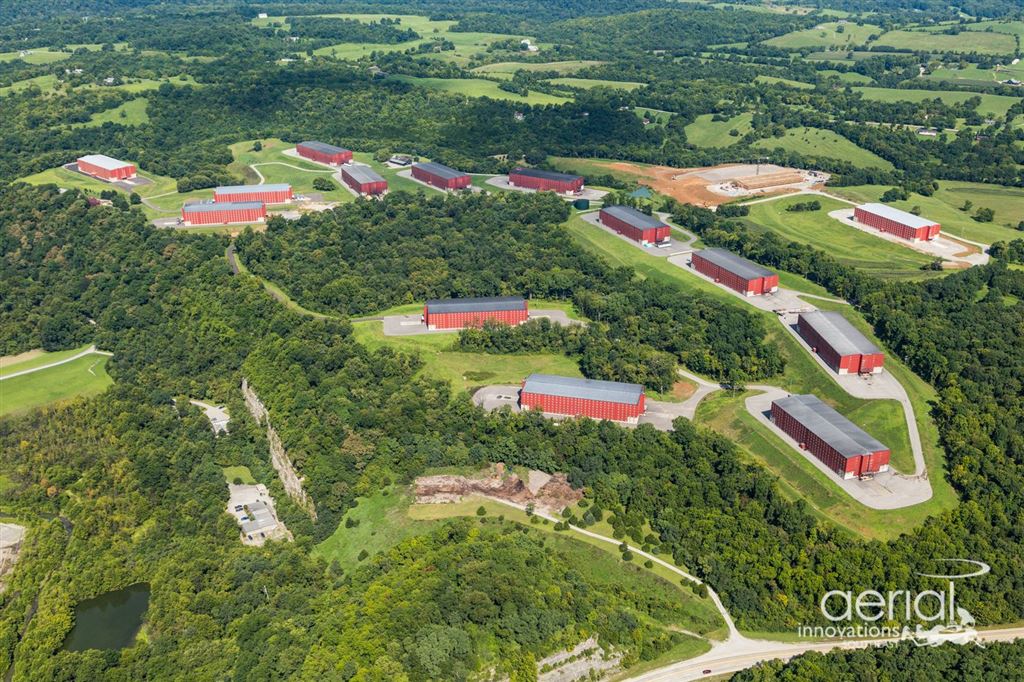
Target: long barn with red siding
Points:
(456, 313)
(224, 213)
(535, 178)
(364, 180)
(839, 344)
(440, 176)
(735, 272)
(583, 397)
(268, 194)
(637, 226)
(322, 152)
(894, 221)
(106, 168)
(839, 443)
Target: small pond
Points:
(109, 621)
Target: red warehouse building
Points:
(839, 443)
(839, 344)
(637, 226)
(224, 212)
(456, 313)
(583, 397)
(534, 178)
(364, 180)
(735, 272)
(106, 168)
(322, 152)
(894, 221)
(440, 176)
(268, 194)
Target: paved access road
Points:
(88, 351)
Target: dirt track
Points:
(686, 185)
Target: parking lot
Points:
(253, 509)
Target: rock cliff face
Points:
(278, 457)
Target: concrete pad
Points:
(888, 490)
(940, 247)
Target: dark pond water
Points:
(109, 621)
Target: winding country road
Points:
(91, 350)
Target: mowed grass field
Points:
(847, 244)
(242, 473)
(827, 35)
(466, 372)
(944, 207)
(46, 83)
(588, 83)
(820, 143)
(131, 113)
(276, 167)
(704, 132)
(35, 56)
(996, 105)
(933, 41)
(775, 80)
(478, 87)
(84, 376)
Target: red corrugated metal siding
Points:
(595, 409)
(847, 364)
(868, 463)
(128, 171)
(251, 215)
(895, 227)
(364, 187)
(461, 182)
(544, 183)
(758, 285)
(473, 319)
(650, 235)
(323, 157)
(266, 196)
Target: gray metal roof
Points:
(634, 217)
(104, 161)
(589, 389)
(544, 174)
(837, 332)
(261, 518)
(362, 174)
(738, 265)
(222, 206)
(847, 438)
(323, 147)
(908, 219)
(236, 189)
(476, 305)
(439, 170)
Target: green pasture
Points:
(966, 41)
(967, 74)
(997, 105)
(562, 68)
(240, 472)
(464, 371)
(705, 132)
(775, 80)
(851, 77)
(46, 83)
(832, 35)
(944, 207)
(478, 87)
(82, 377)
(847, 244)
(821, 143)
(35, 56)
(131, 113)
(588, 83)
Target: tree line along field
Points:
(831, 35)
(820, 143)
(587, 83)
(563, 68)
(705, 132)
(479, 87)
(996, 105)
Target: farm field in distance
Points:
(478, 87)
(705, 132)
(821, 143)
(990, 104)
(587, 83)
(827, 35)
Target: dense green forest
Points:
(128, 486)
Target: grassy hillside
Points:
(131, 113)
(827, 35)
(990, 104)
(705, 132)
(565, 67)
(478, 87)
(82, 377)
(966, 41)
(944, 206)
(588, 83)
(819, 143)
